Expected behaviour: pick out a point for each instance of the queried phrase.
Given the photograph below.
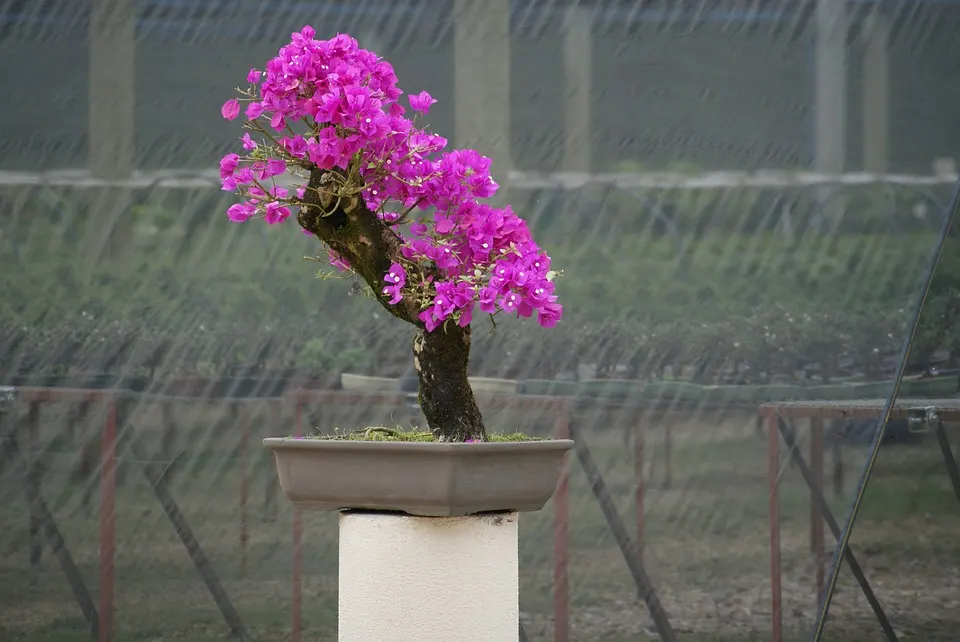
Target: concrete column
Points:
(482, 81)
(429, 579)
(109, 228)
(111, 89)
(578, 76)
(831, 94)
(876, 93)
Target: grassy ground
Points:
(706, 546)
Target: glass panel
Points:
(900, 536)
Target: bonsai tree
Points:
(329, 145)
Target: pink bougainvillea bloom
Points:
(396, 278)
(397, 275)
(295, 146)
(338, 261)
(240, 212)
(230, 109)
(550, 313)
(335, 105)
(253, 111)
(228, 165)
(276, 213)
(421, 102)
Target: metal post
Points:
(33, 486)
(561, 525)
(668, 454)
(297, 547)
(816, 516)
(108, 490)
(243, 461)
(638, 473)
(773, 472)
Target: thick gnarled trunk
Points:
(441, 356)
(446, 398)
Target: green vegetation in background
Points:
(737, 297)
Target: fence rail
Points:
(193, 179)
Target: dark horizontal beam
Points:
(213, 18)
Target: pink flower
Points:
(338, 261)
(230, 109)
(276, 213)
(228, 165)
(240, 212)
(421, 102)
(253, 111)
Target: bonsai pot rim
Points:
(353, 445)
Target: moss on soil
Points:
(382, 433)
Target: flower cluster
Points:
(328, 104)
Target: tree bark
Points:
(446, 397)
(441, 356)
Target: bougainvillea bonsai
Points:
(328, 143)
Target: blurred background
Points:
(744, 196)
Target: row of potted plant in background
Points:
(765, 348)
(276, 384)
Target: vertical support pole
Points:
(273, 484)
(561, 525)
(123, 406)
(578, 76)
(831, 96)
(948, 459)
(168, 437)
(244, 465)
(639, 498)
(773, 472)
(108, 489)
(837, 456)
(816, 517)
(481, 81)
(33, 487)
(112, 98)
(876, 92)
(297, 548)
(668, 453)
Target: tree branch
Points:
(351, 230)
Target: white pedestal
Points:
(428, 579)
